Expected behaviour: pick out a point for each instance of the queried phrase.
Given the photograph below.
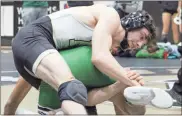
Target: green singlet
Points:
(79, 61)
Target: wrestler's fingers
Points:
(139, 78)
(130, 74)
(135, 76)
(141, 82)
(135, 83)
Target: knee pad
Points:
(74, 91)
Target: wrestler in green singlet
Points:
(79, 61)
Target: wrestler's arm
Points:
(19, 92)
(106, 28)
(99, 95)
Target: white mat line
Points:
(148, 106)
(15, 79)
(13, 71)
(154, 67)
(9, 79)
(163, 81)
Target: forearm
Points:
(109, 66)
(19, 92)
(99, 95)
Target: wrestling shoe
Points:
(148, 96)
(24, 111)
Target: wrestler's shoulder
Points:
(103, 9)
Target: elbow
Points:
(96, 60)
(100, 57)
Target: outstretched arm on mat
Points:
(19, 92)
(99, 95)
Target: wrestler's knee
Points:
(73, 90)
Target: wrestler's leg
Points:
(99, 95)
(61, 79)
(166, 24)
(175, 30)
(113, 93)
(117, 111)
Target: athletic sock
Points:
(164, 38)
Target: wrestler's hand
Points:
(135, 77)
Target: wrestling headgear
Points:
(136, 20)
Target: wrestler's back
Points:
(74, 26)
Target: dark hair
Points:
(139, 19)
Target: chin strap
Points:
(124, 44)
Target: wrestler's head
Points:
(140, 30)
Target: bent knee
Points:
(73, 90)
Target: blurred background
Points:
(11, 15)
(161, 66)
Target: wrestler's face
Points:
(137, 38)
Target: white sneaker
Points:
(24, 111)
(148, 96)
